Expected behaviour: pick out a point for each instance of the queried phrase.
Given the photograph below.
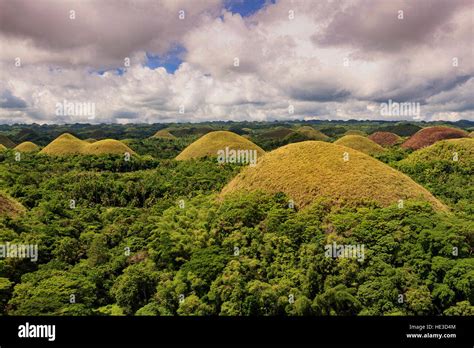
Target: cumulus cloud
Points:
(325, 59)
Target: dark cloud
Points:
(374, 25)
(9, 101)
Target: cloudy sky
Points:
(201, 60)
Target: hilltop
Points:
(430, 135)
(65, 144)
(444, 150)
(69, 144)
(211, 143)
(360, 143)
(308, 170)
(164, 134)
(107, 146)
(312, 134)
(27, 146)
(385, 139)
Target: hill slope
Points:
(27, 146)
(209, 144)
(9, 207)
(164, 134)
(4, 140)
(312, 169)
(107, 146)
(65, 144)
(312, 133)
(385, 138)
(360, 143)
(430, 135)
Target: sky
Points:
(144, 61)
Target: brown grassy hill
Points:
(308, 170)
(164, 134)
(312, 133)
(430, 135)
(209, 144)
(444, 151)
(9, 206)
(65, 144)
(27, 146)
(385, 139)
(107, 146)
(4, 140)
(90, 140)
(3, 147)
(360, 143)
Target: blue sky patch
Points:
(170, 61)
(246, 7)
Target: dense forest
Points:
(153, 236)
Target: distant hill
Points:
(430, 135)
(27, 146)
(67, 144)
(361, 144)
(310, 170)
(312, 134)
(4, 140)
(355, 132)
(211, 143)
(401, 129)
(107, 146)
(164, 134)
(385, 139)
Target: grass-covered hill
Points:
(164, 134)
(27, 146)
(68, 144)
(211, 143)
(445, 168)
(312, 134)
(311, 170)
(360, 143)
(430, 135)
(385, 139)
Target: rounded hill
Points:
(68, 144)
(311, 133)
(211, 143)
(360, 143)
(65, 144)
(355, 132)
(27, 146)
(458, 150)
(107, 146)
(309, 170)
(164, 134)
(430, 135)
(385, 138)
